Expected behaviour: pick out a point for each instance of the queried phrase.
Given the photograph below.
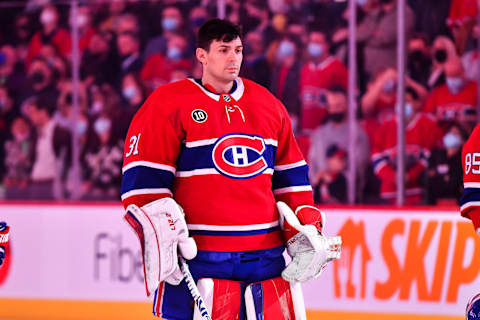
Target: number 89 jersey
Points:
(225, 158)
(470, 200)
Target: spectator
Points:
(331, 184)
(51, 33)
(18, 159)
(470, 58)
(456, 100)
(379, 101)
(11, 75)
(133, 92)
(378, 33)
(40, 80)
(115, 9)
(100, 63)
(285, 78)
(172, 23)
(421, 136)
(128, 47)
(158, 68)
(461, 20)
(419, 59)
(103, 162)
(430, 16)
(52, 152)
(256, 66)
(85, 27)
(319, 74)
(445, 167)
(336, 132)
(21, 36)
(443, 52)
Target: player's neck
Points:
(216, 85)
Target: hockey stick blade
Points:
(194, 290)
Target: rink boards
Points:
(83, 262)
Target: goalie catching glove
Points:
(309, 248)
(161, 227)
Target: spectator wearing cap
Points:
(52, 151)
(336, 132)
(51, 33)
(456, 100)
(445, 168)
(421, 136)
(321, 72)
(330, 185)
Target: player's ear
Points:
(201, 55)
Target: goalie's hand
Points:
(162, 231)
(309, 249)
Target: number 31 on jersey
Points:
(133, 145)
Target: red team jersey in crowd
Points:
(315, 80)
(225, 158)
(470, 200)
(421, 135)
(447, 106)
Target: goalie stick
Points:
(194, 290)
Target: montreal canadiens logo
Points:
(240, 156)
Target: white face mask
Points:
(47, 17)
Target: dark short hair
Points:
(217, 29)
(45, 102)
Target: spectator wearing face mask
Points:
(319, 74)
(419, 59)
(421, 136)
(40, 80)
(443, 51)
(133, 93)
(18, 159)
(51, 33)
(172, 24)
(286, 76)
(336, 132)
(103, 162)
(456, 100)
(378, 103)
(445, 167)
(158, 68)
(86, 30)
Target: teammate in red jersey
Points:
(222, 148)
(470, 200)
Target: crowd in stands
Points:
(296, 49)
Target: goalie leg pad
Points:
(222, 297)
(274, 299)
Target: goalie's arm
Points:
(152, 146)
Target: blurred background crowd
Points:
(295, 48)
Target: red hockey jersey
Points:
(470, 200)
(315, 80)
(225, 158)
(421, 135)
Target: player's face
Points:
(223, 60)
